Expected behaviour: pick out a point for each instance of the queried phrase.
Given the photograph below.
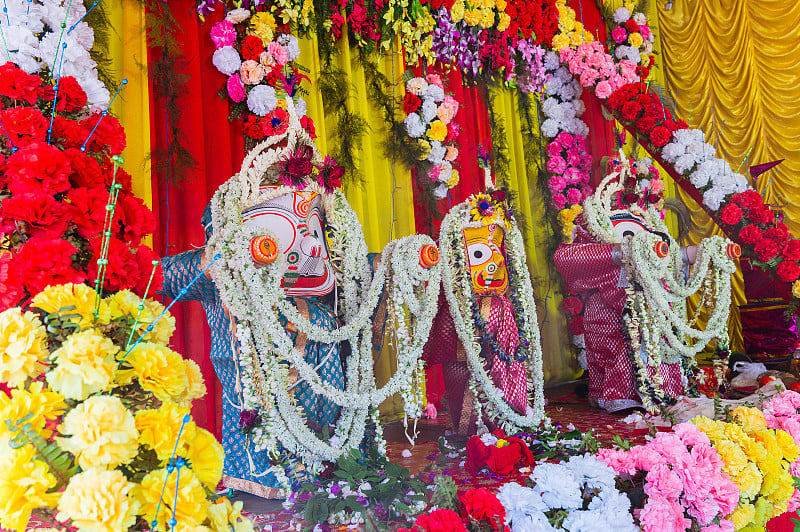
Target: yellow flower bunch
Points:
(80, 299)
(160, 370)
(22, 346)
(796, 289)
(571, 32)
(125, 305)
(487, 211)
(437, 130)
(38, 402)
(454, 178)
(262, 25)
(84, 364)
(99, 500)
(567, 219)
(414, 30)
(24, 486)
(190, 507)
(222, 512)
(757, 459)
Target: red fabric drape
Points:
(178, 201)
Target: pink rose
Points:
(574, 195)
(251, 72)
(223, 34)
(603, 90)
(278, 53)
(559, 201)
(662, 515)
(619, 34)
(556, 165)
(236, 89)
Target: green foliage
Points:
(548, 443)
(61, 324)
(620, 442)
(445, 493)
(380, 483)
(60, 462)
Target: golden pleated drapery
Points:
(738, 61)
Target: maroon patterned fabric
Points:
(508, 376)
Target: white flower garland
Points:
(256, 300)
(457, 287)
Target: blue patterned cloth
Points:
(243, 472)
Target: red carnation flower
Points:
(108, 137)
(276, 122)
(575, 326)
(788, 271)
(411, 103)
(631, 25)
(71, 97)
(40, 214)
(441, 520)
(762, 215)
(254, 127)
(133, 219)
(42, 262)
(572, 306)
(483, 506)
(498, 195)
(630, 111)
(38, 167)
(308, 125)
(646, 124)
(122, 270)
(617, 99)
(731, 214)
(766, 249)
(144, 258)
(252, 48)
(779, 232)
(87, 208)
(68, 133)
(752, 200)
(18, 84)
(660, 136)
(791, 251)
(25, 125)
(11, 291)
(86, 172)
(750, 234)
(120, 176)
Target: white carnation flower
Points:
(429, 109)
(291, 44)
(579, 341)
(445, 171)
(568, 92)
(687, 137)
(435, 92)
(702, 150)
(261, 99)
(700, 177)
(414, 126)
(591, 472)
(672, 151)
(519, 500)
(23, 48)
(585, 521)
(553, 87)
(713, 197)
(227, 60)
(576, 126)
(551, 108)
(621, 15)
(551, 61)
(558, 486)
(533, 523)
(238, 15)
(300, 108)
(440, 192)
(640, 19)
(549, 128)
(633, 55)
(621, 51)
(97, 94)
(685, 163)
(437, 152)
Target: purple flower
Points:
(336, 489)
(363, 501)
(248, 419)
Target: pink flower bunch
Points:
(684, 481)
(781, 412)
(569, 165)
(596, 69)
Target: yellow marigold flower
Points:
(735, 433)
(262, 25)
(560, 41)
(158, 429)
(23, 486)
(796, 289)
(22, 346)
(454, 178)
(635, 39)
(160, 370)
(83, 298)
(788, 447)
(196, 386)
(486, 18)
(191, 508)
(206, 456)
(749, 480)
(472, 17)
(743, 515)
(504, 22)
(99, 500)
(751, 419)
(42, 402)
(587, 36)
(437, 130)
(84, 365)
(222, 513)
(426, 149)
(457, 11)
(103, 433)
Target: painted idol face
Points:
(296, 219)
(487, 264)
(627, 224)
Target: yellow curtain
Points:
(734, 64)
(127, 50)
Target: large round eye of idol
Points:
(487, 263)
(479, 253)
(628, 225)
(295, 218)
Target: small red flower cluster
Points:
(480, 508)
(762, 237)
(535, 17)
(636, 105)
(55, 188)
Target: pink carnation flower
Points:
(618, 460)
(559, 201)
(435, 79)
(619, 34)
(663, 482)
(580, 143)
(645, 31)
(556, 184)
(278, 53)
(603, 90)
(574, 195)
(556, 165)
(223, 34)
(566, 140)
(627, 70)
(553, 149)
(689, 434)
(236, 89)
(723, 526)
(663, 515)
